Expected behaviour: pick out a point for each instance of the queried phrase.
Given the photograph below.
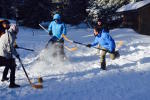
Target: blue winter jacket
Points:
(105, 41)
(57, 29)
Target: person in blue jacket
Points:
(56, 29)
(107, 44)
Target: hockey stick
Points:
(120, 43)
(24, 48)
(70, 49)
(39, 86)
(79, 43)
(44, 28)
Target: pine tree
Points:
(75, 11)
(35, 12)
(5, 8)
(104, 8)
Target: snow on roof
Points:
(133, 6)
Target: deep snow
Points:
(80, 77)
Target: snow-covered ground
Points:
(80, 77)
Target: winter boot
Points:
(103, 66)
(5, 79)
(13, 85)
(117, 55)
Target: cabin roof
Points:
(133, 6)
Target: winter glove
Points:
(88, 45)
(17, 56)
(50, 33)
(16, 46)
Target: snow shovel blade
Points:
(39, 86)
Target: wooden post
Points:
(139, 22)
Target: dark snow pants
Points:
(58, 45)
(9, 64)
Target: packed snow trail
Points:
(80, 77)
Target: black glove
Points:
(16, 46)
(50, 33)
(89, 45)
(17, 56)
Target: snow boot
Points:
(5, 79)
(103, 66)
(117, 55)
(13, 85)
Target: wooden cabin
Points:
(136, 16)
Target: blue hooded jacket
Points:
(105, 41)
(57, 28)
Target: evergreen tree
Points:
(104, 8)
(75, 11)
(35, 12)
(6, 8)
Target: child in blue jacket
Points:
(56, 29)
(106, 43)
